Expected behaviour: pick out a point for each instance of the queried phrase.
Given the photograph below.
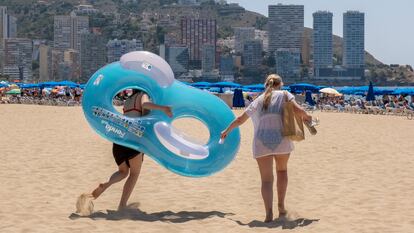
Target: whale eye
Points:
(149, 64)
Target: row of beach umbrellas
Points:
(369, 91)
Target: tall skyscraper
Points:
(286, 26)
(252, 53)
(57, 58)
(8, 29)
(18, 58)
(70, 68)
(194, 34)
(8, 24)
(288, 63)
(3, 21)
(354, 42)
(93, 55)
(117, 48)
(177, 57)
(45, 63)
(227, 68)
(322, 40)
(12, 26)
(226, 65)
(208, 58)
(68, 31)
(241, 35)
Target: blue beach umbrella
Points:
(29, 85)
(67, 83)
(226, 84)
(49, 84)
(404, 91)
(309, 98)
(301, 87)
(201, 84)
(370, 95)
(255, 87)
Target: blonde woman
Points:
(268, 142)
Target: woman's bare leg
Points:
(266, 174)
(121, 174)
(282, 181)
(135, 168)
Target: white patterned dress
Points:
(268, 139)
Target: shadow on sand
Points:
(283, 222)
(164, 216)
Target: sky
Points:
(389, 25)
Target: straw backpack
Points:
(292, 123)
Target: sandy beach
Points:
(356, 175)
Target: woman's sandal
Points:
(311, 125)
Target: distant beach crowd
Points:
(71, 96)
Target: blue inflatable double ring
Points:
(153, 134)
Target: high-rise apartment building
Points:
(288, 63)
(194, 34)
(285, 26)
(117, 48)
(93, 55)
(3, 22)
(17, 62)
(226, 68)
(68, 31)
(45, 63)
(226, 65)
(177, 57)
(241, 35)
(322, 43)
(208, 61)
(8, 24)
(354, 42)
(57, 58)
(70, 68)
(252, 53)
(8, 29)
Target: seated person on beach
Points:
(129, 161)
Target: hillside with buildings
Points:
(163, 27)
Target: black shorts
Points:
(124, 154)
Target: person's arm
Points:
(147, 104)
(302, 113)
(236, 123)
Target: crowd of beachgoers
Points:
(58, 96)
(393, 105)
(71, 96)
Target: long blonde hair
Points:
(272, 82)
